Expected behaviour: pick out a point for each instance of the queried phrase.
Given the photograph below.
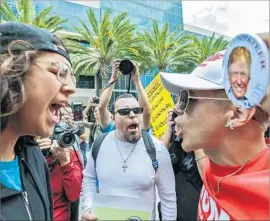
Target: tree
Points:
(26, 14)
(205, 47)
(102, 43)
(167, 51)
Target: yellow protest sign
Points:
(160, 102)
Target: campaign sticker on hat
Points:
(246, 70)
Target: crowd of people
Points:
(212, 163)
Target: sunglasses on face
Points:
(183, 101)
(126, 111)
(62, 71)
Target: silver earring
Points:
(230, 125)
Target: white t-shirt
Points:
(138, 181)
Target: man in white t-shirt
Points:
(124, 168)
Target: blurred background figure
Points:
(91, 119)
(84, 147)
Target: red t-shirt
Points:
(243, 196)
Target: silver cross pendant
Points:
(124, 167)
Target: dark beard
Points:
(132, 138)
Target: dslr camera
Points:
(95, 100)
(65, 136)
(126, 66)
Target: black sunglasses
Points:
(126, 111)
(184, 97)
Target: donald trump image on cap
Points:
(239, 71)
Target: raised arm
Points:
(166, 138)
(104, 114)
(142, 97)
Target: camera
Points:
(95, 100)
(126, 66)
(65, 136)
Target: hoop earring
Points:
(230, 125)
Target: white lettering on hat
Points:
(254, 44)
(208, 209)
(211, 59)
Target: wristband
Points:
(109, 84)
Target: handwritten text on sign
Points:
(160, 102)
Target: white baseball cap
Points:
(207, 76)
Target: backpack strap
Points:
(96, 146)
(95, 149)
(150, 148)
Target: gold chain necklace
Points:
(222, 178)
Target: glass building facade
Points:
(141, 13)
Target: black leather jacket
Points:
(35, 201)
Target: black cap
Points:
(40, 39)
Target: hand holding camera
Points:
(135, 75)
(115, 72)
(44, 143)
(62, 154)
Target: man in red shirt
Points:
(236, 172)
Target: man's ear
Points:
(239, 116)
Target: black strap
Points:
(96, 146)
(53, 164)
(150, 148)
(129, 84)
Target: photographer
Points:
(65, 167)
(94, 126)
(187, 168)
(105, 117)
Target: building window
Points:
(87, 82)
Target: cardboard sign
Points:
(246, 70)
(108, 207)
(160, 102)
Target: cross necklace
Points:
(124, 160)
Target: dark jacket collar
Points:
(7, 192)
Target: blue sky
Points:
(228, 17)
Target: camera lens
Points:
(126, 67)
(66, 139)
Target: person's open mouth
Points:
(54, 110)
(134, 127)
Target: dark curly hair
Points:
(14, 65)
(13, 68)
